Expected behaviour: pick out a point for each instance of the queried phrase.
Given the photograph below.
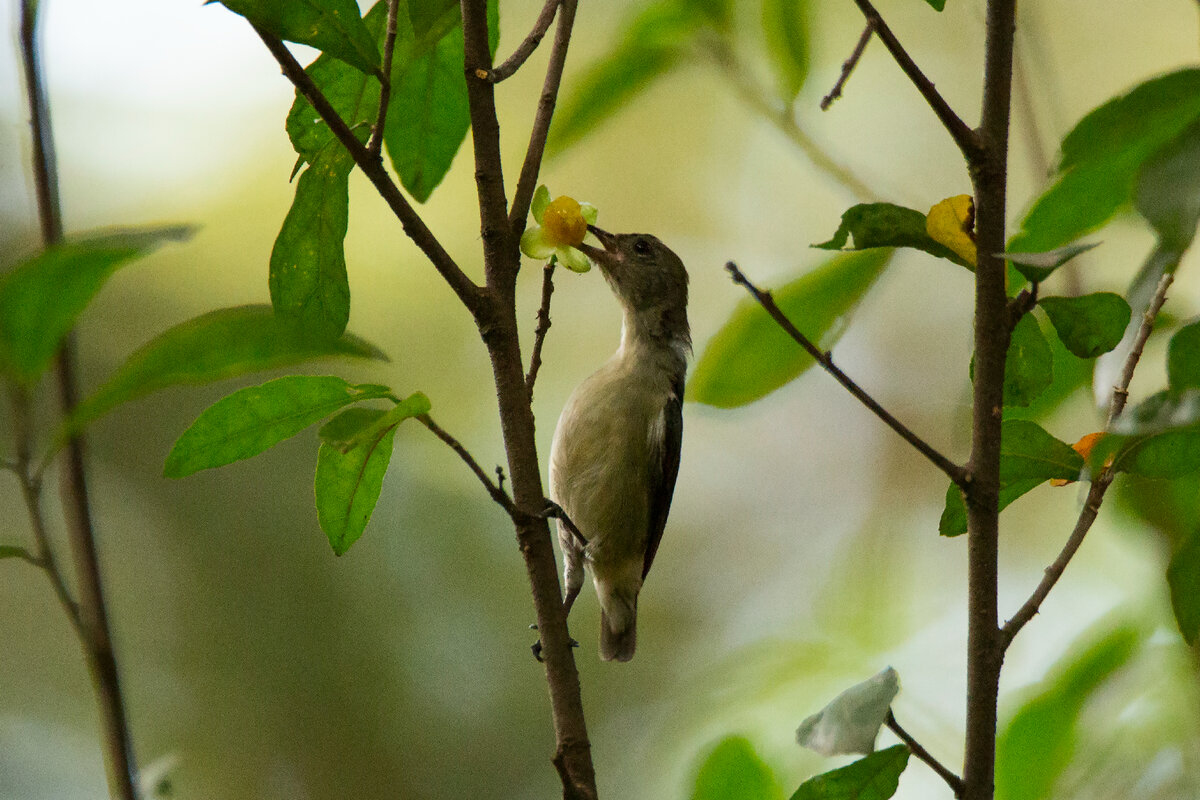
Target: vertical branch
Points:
(97, 639)
(989, 169)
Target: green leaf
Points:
(653, 43)
(1169, 454)
(332, 26)
(1034, 748)
(428, 117)
(751, 356)
(1183, 578)
(733, 771)
(1167, 193)
(256, 418)
(309, 286)
(888, 225)
(938, 5)
(1036, 267)
(1029, 365)
(211, 347)
(874, 777)
(1069, 374)
(785, 27)
(953, 521)
(1090, 324)
(356, 449)
(1183, 358)
(9, 551)
(1101, 157)
(41, 297)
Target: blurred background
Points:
(802, 553)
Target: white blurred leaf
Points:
(850, 723)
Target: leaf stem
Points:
(955, 472)
(527, 47)
(848, 66)
(953, 781)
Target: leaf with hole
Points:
(43, 296)
(1090, 324)
(256, 418)
(331, 26)
(751, 356)
(869, 225)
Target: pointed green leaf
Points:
(1183, 358)
(785, 27)
(308, 282)
(1036, 267)
(41, 297)
(332, 26)
(734, 771)
(887, 225)
(1183, 577)
(953, 521)
(1029, 365)
(751, 356)
(1102, 155)
(874, 777)
(347, 486)
(1090, 324)
(653, 43)
(253, 419)
(938, 5)
(1034, 748)
(211, 347)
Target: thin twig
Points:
(1100, 484)
(526, 48)
(848, 66)
(375, 145)
(91, 615)
(955, 472)
(780, 116)
(372, 167)
(496, 491)
(964, 137)
(953, 781)
(543, 327)
(555, 511)
(527, 181)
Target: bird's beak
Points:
(606, 257)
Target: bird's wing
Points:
(664, 469)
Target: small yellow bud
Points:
(563, 222)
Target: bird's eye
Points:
(641, 247)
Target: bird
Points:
(615, 455)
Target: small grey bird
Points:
(615, 455)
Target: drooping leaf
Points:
(1183, 578)
(1029, 365)
(786, 29)
(874, 777)
(309, 286)
(332, 26)
(428, 116)
(938, 5)
(211, 347)
(256, 418)
(41, 297)
(1036, 744)
(951, 222)
(654, 42)
(1167, 192)
(1090, 324)
(887, 225)
(734, 771)
(356, 449)
(851, 721)
(1183, 358)
(751, 356)
(1036, 267)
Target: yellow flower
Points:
(561, 226)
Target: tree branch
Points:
(848, 66)
(372, 167)
(953, 781)
(91, 615)
(496, 491)
(527, 182)
(954, 471)
(526, 48)
(543, 327)
(375, 145)
(959, 131)
(1091, 508)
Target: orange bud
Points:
(1084, 448)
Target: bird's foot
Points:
(536, 647)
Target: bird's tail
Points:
(618, 633)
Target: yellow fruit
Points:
(563, 222)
